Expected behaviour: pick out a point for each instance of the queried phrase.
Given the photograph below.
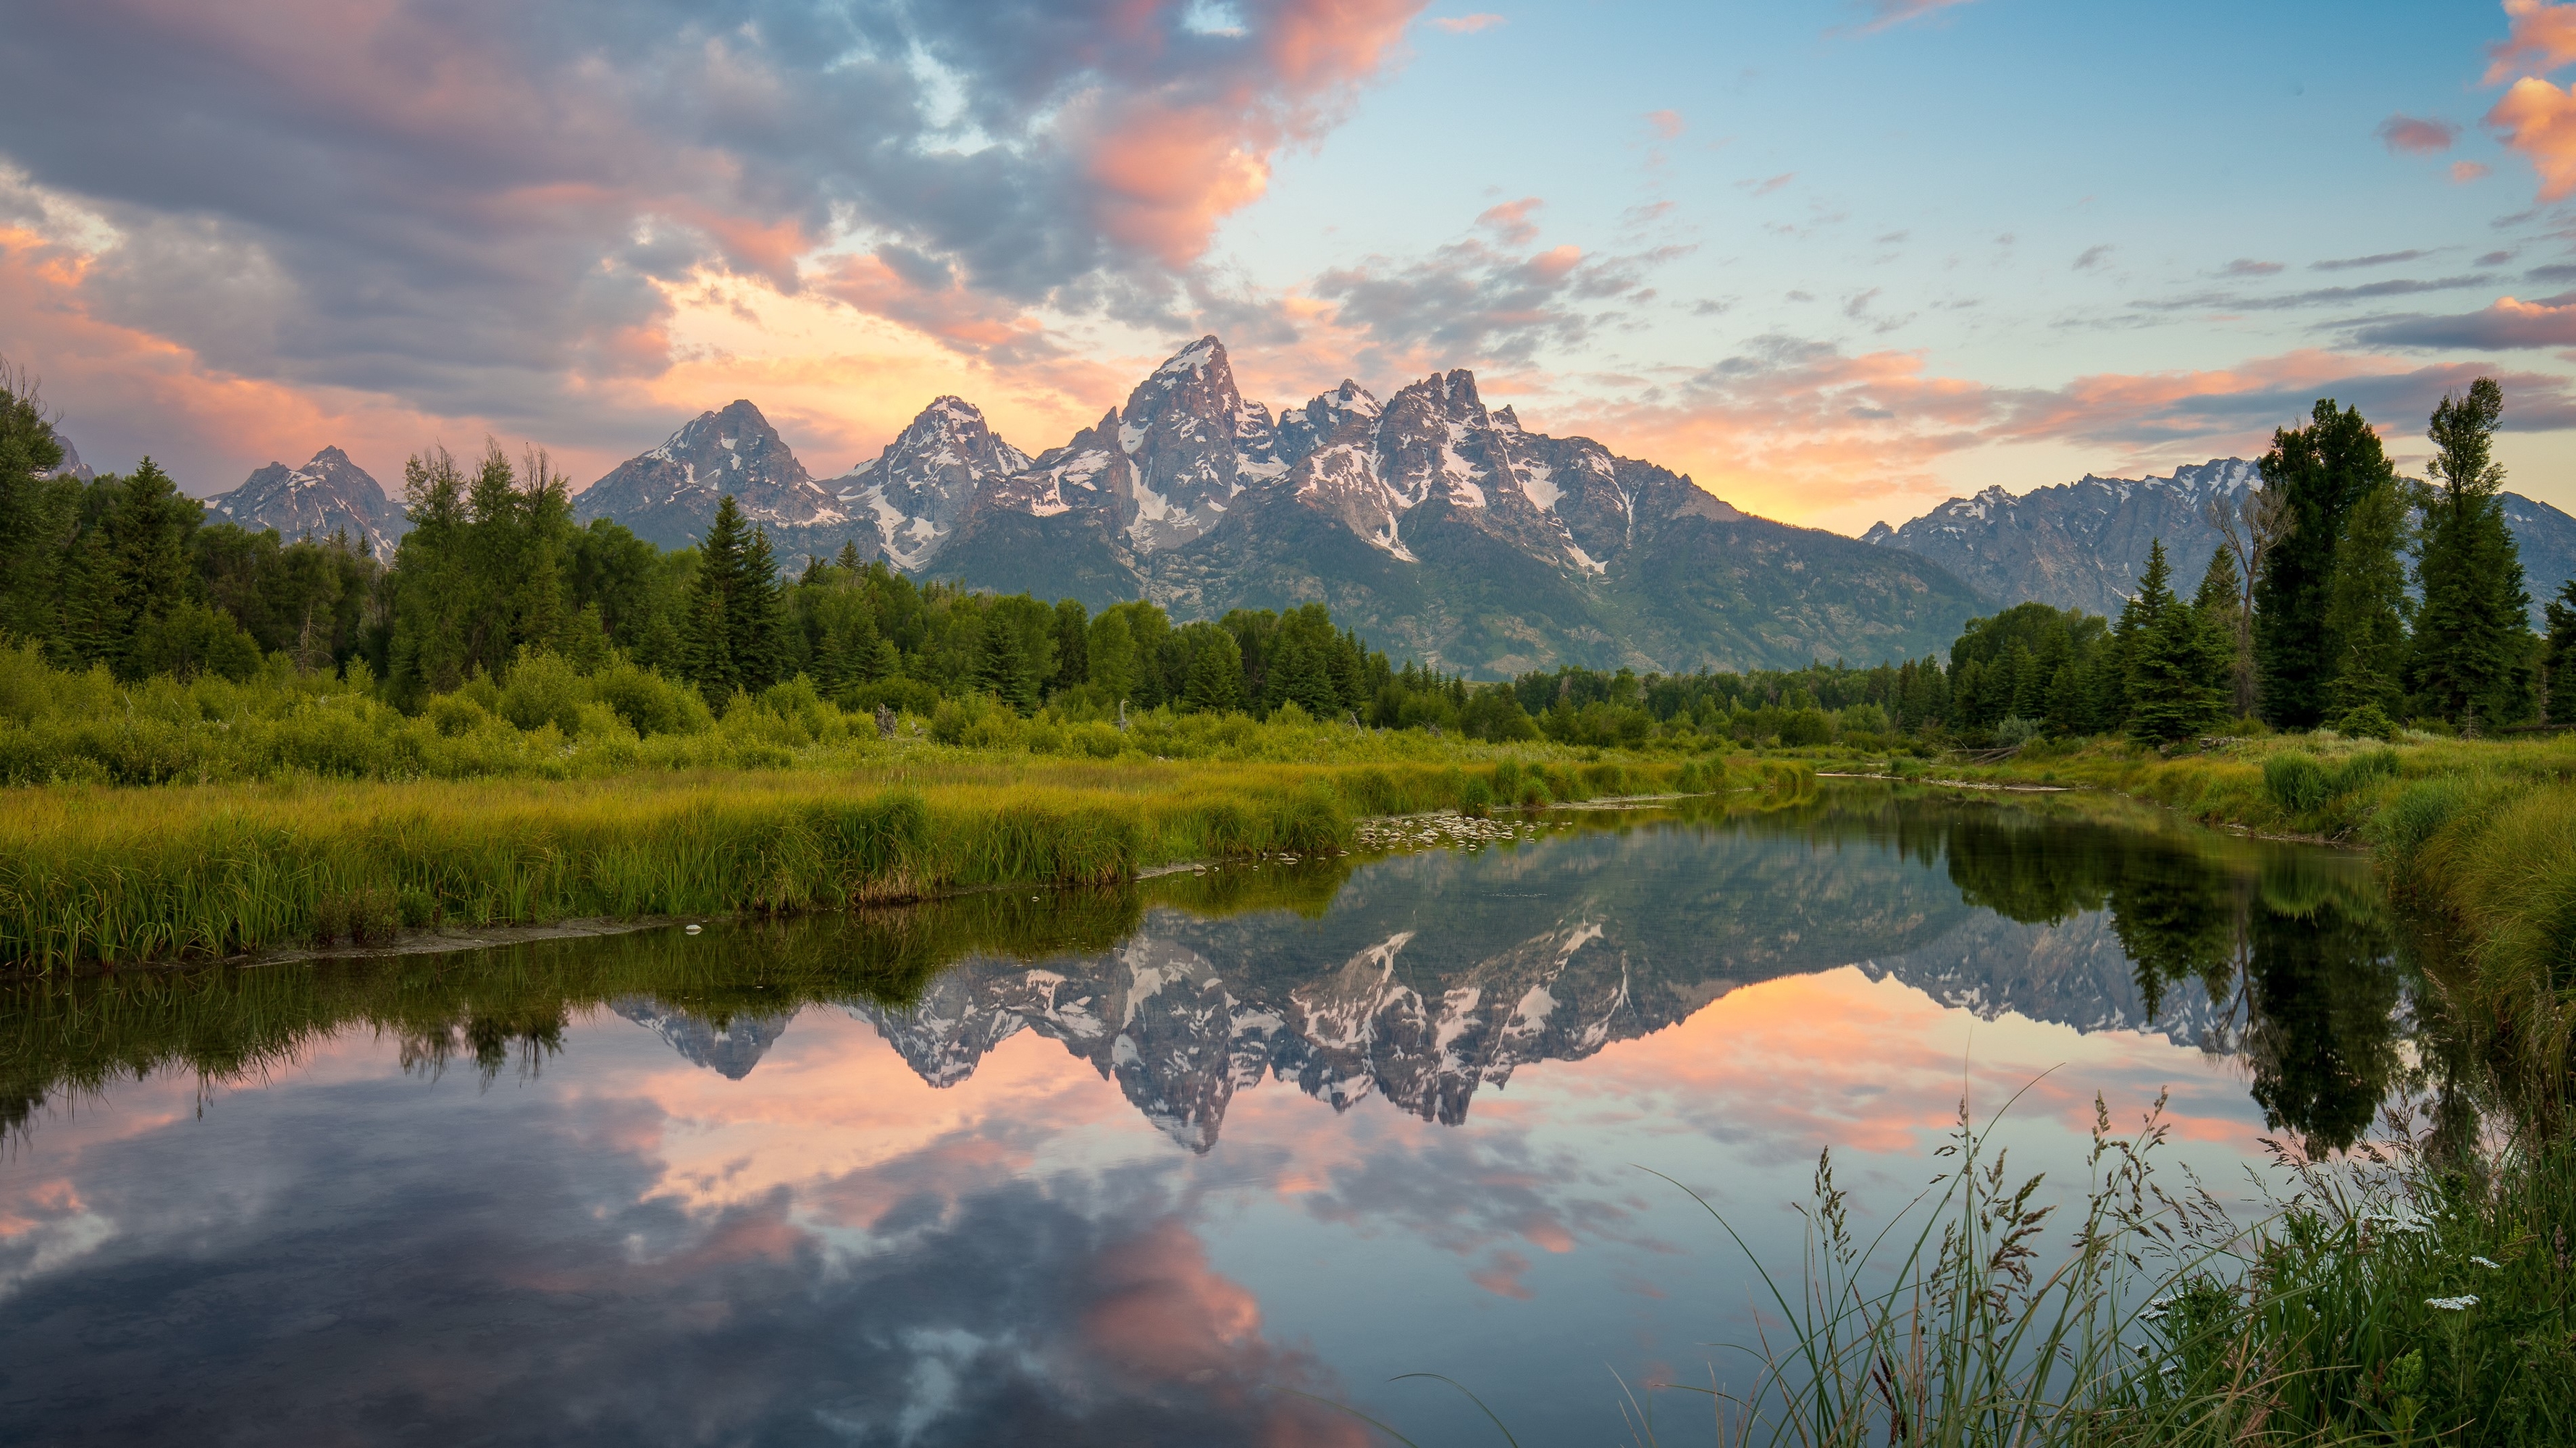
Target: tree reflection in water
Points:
(2284, 956)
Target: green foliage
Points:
(735, 637)
(2471, 657)
(2177, 671)
(2558, 656)
(2320, 472)
(2298, 783)
(2366, 606)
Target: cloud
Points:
(2406, 134)
(1467, 24)
(1799, 428)
(2464, 172)
(2093, 256)
(1469, 304)
(2539, 120)
(486, 209)
(2508, 324)
(1510, 220)
(1668, 124)
(2542, 37)
(2248, 267)
(1768, 184)
(1882, 14)
(2316, 297)
(2349, 263)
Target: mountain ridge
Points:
(1439, 527)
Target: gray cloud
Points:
(463, 204)
(2546, 322)
(2318, 297)
(1469, 303)
(2383, 258)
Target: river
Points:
(1178, 1164)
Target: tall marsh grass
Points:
(97, 874)
(2403, 1297)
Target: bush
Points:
(1475, 798)
(1804, 728)
(2297, 782)
(2367, 722)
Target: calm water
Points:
(1120, 1168)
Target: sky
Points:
(1836, 261)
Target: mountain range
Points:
(1441, 529)
(328, 495)
(2084, 544)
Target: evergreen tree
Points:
(2366, 606)
(2220, 602)
(2558, 658)
(1215, 679)
(39, 513)
(1072, 637)
(732, 609)
(2172, 693)
(147, 523)
(1110, 661)
(2471, 628)
(2319, 472)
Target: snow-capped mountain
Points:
(71, 466)
(2084, 544)
(2076, 545)
(1441, 529)
(918, 487)
(328, 495)
(669, 495)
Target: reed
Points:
(95, 874)
(2406, 1296)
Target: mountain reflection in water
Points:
(792, 1245)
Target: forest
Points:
(2346, 597)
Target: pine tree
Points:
(1215, 679)
(2558, 658)
(758, 617)
(2471, 628)
(2220, 602)
(715, 631)
(2319, 472)
(2366, 606)
(147, 523)
(39, 513)
(2172, 694)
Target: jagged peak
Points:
(1195, 358)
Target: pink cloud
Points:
(2418, 137)
(2543, 37)
(1467, 24)
(1668, 124)
(1511, 220)
(2539, 120)
(2464, 172)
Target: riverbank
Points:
(2479, 832)
(98, 875)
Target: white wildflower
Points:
(2483, 1262)
(2452, 1304)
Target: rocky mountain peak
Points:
(328, 495)
(916, 490)
(670, 494)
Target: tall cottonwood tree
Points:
(2319, 472)
(2471, 629)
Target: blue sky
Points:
(1836, 261)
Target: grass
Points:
(2408, 1296)
(93, 875)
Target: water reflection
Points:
(656, 1188)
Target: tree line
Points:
(2343, 594)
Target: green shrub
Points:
(2363, 770)
(2297, 782)
(2367, 722)
(1475, 798)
